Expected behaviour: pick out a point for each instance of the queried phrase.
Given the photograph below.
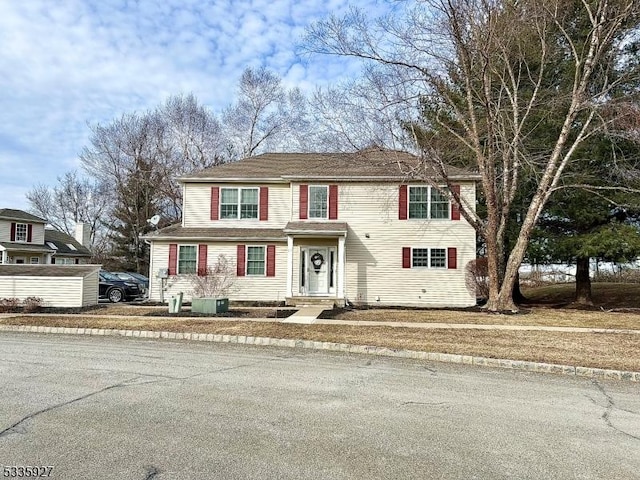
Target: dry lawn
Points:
(614, 351)
(618, 306)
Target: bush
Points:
(9, 305)
(217, 282)
(31, 304)
(477, 277)
(628, 275)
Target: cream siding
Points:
(37, 234)
(249, 287)
(374, 272)
(54, 291)
(90, 289)
(197, 207)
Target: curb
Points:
(341, 347)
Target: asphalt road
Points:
(122, 408)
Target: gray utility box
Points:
(210, 305)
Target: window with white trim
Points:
(239, 202)
(318, 201)
(64, 261)
(21, 232)
(256, 260)
(429, 257)
(187, 259)
(34, 260)
(426, 202)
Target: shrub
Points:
(477, 277)
(217, 282)
(8, 305)
(31, 304)
(628, 275)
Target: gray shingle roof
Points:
(370, 164)
(62, 240)
(177, 232)
(12, 214)
(327, 228)
(47, 270)
(26, 247)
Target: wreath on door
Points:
(317, 260)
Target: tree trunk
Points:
(583, 282)
(516, 294)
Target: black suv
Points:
(116, 289)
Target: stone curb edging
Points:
(341, 347)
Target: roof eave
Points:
(221, 239)
(372, 178)
(232, 180)
(317, 233)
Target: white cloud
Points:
(70, 63)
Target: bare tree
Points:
(193, 139)
(265, 116)
(491, 75)
(72, 200)
(357, 114)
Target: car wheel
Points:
(115, 295)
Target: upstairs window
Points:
(21, 232)
(318, 201)
(239, 203)
(428, 203)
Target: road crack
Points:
(127, 383)
(608, 410)
(152, 472)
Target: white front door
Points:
(318, 270)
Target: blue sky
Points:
(66, 64)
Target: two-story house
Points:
(25, 240)
(341, 227)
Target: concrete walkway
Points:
(305, 315)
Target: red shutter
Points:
(304, 201)
(202, 260)
(173, 258)
(402, 203)
(215, 202)
(271, 260)
(333, 202)
(240, 261)
(455, 208)
(264, 203)
(29, 232)
(13, 231)
(452, 258)
(406, 257)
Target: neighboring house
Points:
(338, 227)
(24, 239)
(68, 250)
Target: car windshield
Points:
(110, 276)
(139, 276)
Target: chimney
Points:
(83, 234)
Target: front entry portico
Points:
(317, 270)
(316, 262)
